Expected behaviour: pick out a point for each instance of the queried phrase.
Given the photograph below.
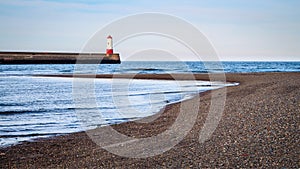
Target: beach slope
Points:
(259, 128)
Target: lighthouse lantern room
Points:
(109, 48)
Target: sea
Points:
(34, 106)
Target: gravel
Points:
(259, 128)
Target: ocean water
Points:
(157, 68)
(33, 107)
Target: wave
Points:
(9, 112)
(15, 112)
(143, 70)
(28, 124)
(30, 135)
(11, 104)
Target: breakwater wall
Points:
(57, 58)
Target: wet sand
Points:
(259, 128)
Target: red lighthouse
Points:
(109, 48)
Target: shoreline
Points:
(259, 113)
(164, 77)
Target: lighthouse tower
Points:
(109, 48)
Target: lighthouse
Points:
(109, 47)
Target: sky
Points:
(240, 30)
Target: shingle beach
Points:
(259, 128)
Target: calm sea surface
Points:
(33, 107)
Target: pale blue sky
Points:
(239, 29)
